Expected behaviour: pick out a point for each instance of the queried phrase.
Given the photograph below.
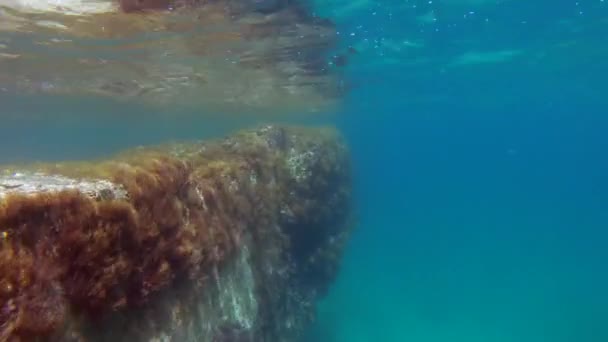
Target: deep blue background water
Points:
(474, 226)
(482, 189)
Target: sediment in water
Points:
(228, 240)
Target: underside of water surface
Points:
(226, 56)
(303, 170)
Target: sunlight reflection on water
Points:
(273, 57)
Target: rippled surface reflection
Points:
(220, 55)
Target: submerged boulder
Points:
(229, 240)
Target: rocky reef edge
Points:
(233, 239)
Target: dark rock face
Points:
(231, 240)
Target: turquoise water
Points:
(482, 185)
(476, 227)
(478, 133)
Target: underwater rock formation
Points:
(227, 240)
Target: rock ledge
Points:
(228, 240)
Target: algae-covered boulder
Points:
(229, 240)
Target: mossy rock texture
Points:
(226, 240)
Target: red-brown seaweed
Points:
(171, 240)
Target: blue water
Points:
(475, 226)
(478, 133)
(482, 189)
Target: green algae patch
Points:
(231, 239)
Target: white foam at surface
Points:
(66, 7)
